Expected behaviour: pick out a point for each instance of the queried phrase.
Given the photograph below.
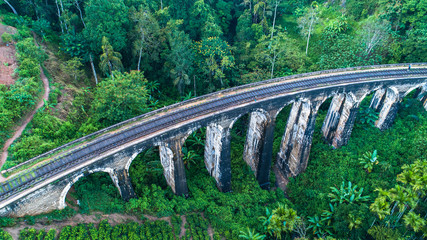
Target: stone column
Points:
(377, 99)
(385, 101)
(339, 120)
(422, 95)
(296, 142)
(259, 145)
(218, 155)
(173, 166)
(122, 181)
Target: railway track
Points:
(94, 148)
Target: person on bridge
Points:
(409, 67)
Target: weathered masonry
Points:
(44, 186)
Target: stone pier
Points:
(339, 120)
(386, 102)
(122, 181)
(218, 155)
(422, 95)
(296, 142)
(173, 166)
(259, 145)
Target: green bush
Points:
(5, 235)
(6, 37)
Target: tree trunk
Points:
(93, 69)
(110, 66)
(272, 67)
(10, 5)
(194, 85)
(140, 55)
(62, 8)
(59, 16)
(80, 11)
(309, 33)
(274, 19)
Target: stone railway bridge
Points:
(41, 184)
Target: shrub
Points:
(6, 37)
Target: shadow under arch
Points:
(62, 203)
(146, 169)
(239, 168)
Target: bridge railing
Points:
(188, 102)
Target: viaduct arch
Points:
(42, 187)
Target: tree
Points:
(120, 98)
(283, 220)
(276, 4)
(213, 57)
(374, 34)
(147, 29)
(271, 50)
(415, 46)
(106, 19)
(180, 59)
(110, 60)
(391, 10)
(404, 195)
(308, 21)
(73, 67)
(203, 23)
(416, 222)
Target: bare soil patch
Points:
(7, 57)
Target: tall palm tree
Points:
(110, 60)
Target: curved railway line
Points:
(98, 146)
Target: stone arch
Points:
(282, 107)
(132, 157)
(419, 86)
(235, 119)
(64, 192)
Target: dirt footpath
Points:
(26, 120)
(7, 58)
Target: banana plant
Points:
(347, 194)
(266, 220)
(251, 235)
(368, 160)
(189, 157)
(320, 229)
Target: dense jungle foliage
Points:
(108, 61)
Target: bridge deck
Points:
(79, 153)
